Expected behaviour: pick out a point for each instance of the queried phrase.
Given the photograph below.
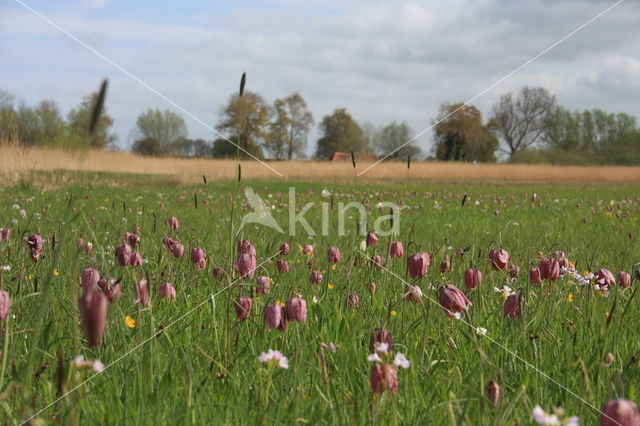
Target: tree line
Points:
(528, 126)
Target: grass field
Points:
(191, 361)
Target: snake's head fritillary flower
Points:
(5, 305)
(493, 393)
(284, 249)
(245, 247)
(315, 277)
(36, 245)
(353, 301)
(93, 312)
(142, 293)
(624, 279)
(88, 247)
(499, 259)
(198, 258)
(397, 250)
(296, 310)
(274, 317)
(136, 259)
(472, 278)
(445, 265)
(372, 239)
(549, 269)
(245, 265)
(173, 222)
(453, 300)
(123, 254)
(218, 273)
(418, 264)
(534, 276)
(6, 234)
(283, 266)
(620, 412)
(384, 377)
(177, 250)
(167, 291)
(334, 255)
(307, 249)
(514, 271)
(90, 278)
(413, 294)
(263, 285)
(372, 287)
(513, 306)
(243, 307)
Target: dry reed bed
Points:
(14, 162)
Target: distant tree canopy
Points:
(43, 125)
(158, 132)
(521, 120)
(394, 136)
(290, 127)
(460, 135)
(245, 120)
(79, 119)
(339, 132)
(586, 137)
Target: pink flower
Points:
(384, 377)
(453, 300)
(132, 239)
(372, 287)
(111, 288)
(307, 249)
(5, 305)
(136, 259)
(245, 247)
(414, 294)
(245, 265)
(620, 412)
(499, 259)
(472, 278)
(418, 264)
(142, 293)
(173, 222)
(315, 277)
(624, 279)
(377, 261)
(274, 316)
(493, 392)
(445, 265)
(372, 239)
(167, 291)
(296, 310)
(36, 245)
(199, 258)
(513, 306)
(123, 254)
(549, 269)
(217, 273)
(90, 278)
(334, 255)
(534, 276)
(264, 285)
(397, 250)
(284, 249)
(282, 265)
(243, 307)
(5, 235)
(93, 312)
(177, 250)
(353, 301)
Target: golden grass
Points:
(16, 162)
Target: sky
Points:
(383, 61)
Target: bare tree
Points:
(521, 121)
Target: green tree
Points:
(278, 141)
(340, 133)
(79, 119)
(393, 136)
(42, 125)
(461, 136)
(157, 132)
(246, 119)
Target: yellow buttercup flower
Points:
(330, 286)
(129, 322)
(570, 298)
(30, 276)
(394, 313)
(333, 266)
(56, 272)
